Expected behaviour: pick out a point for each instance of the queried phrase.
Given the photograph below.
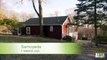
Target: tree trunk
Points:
(95, 24)
(35, 8)
(40, 17)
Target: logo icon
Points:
(100, 55)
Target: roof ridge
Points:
(50, 17)
(47, 20)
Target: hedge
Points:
(102, 38)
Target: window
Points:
(27, 30)
(51, 28)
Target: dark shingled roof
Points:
(46, 21)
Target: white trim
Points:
(28, 30)
(19, 31)
(64, 21)
(51, 28)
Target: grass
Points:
(12, 38)
(100, 49)
(89, 48)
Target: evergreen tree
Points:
(92, 12)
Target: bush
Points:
(14, 32)
(68, 38)
(102, 38)
(84, 38)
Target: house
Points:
(54, 27)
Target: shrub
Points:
(68, 38)
(102, 38)
(14, 32)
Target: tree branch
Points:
(35, 8)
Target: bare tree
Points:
(40, 15)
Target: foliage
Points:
(11, 24)
(102, 38)
(2, 16)
(104, 27)
(67, 38)
(85, 12)
(92, 12)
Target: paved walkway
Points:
(89, 49)
(48, 57)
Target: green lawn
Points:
(12, 38)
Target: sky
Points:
(63, 7)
